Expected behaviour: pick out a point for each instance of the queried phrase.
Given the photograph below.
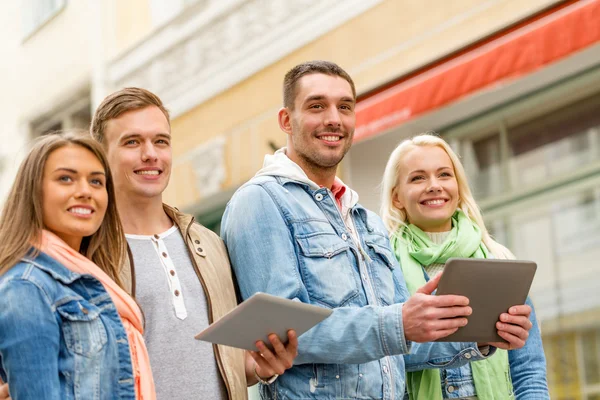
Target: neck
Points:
(322, 176)
(143, 216)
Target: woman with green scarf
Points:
(431, 215)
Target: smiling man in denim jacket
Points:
(296, 231)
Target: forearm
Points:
(354, 335)
(528, 365)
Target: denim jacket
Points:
(286, 236)
(60, 335)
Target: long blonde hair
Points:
(395, 218)
(22, 216)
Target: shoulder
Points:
(25, 283)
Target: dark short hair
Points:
(291, 79)
(120, 102)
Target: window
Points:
(555, 144)
(481, 159)
(36, 13)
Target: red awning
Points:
(517, 53)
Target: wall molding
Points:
(212, 47)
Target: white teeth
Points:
(434, 202)
(80, 210)
(331, 138)
(147, 172)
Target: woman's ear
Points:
(396, 199)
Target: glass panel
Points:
(563, 370)
(481, 159)
(555, 144)
(533, 239)
(37, 12)
(576, 223)
(591, 349)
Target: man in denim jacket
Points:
(296, 231)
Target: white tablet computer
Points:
(492, 286)
(258, 317)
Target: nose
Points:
(332, 118)
(84, 190)
(149, 152)
(434, 186)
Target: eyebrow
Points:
(321, 97)
(137, 135)
(74, 171)
(420, 171)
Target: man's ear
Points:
(284, 118)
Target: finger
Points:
(448, 300)
(514, 330)
(292, 345)
(281, 352)
(447, 324)
(274, 363)
(449, 312)
(3, 390)
(514, 342)
(262, 366)
(430, 286)
(519, 320)
(523, 309)
(442, 334)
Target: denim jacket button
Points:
(467, 355)
(318, 197)
(450, 389)
(344, 236)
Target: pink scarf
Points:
(130, 313)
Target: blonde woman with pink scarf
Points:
(67, 328)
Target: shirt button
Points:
(344, 236)
(197, 241)
(385, 369)
(318, 197)
(176, 292)
(164, 254)
(467, 355)
(360, 375)
(156, 237)
(199, 249)
(84, 310)
(337, 377)
(364, 276)
(450, 389)
(172, 272)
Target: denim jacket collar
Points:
(52, 267)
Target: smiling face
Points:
(321, 125)
(74, 196)
(427, 189)
(139, 152)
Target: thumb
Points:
(430, 286)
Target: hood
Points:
(279, 164)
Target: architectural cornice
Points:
(218, 43)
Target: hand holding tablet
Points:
(493, 287)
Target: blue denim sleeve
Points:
(528, 365)
(443, 355)
(263, 257)
(29, 342)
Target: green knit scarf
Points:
(414, 249)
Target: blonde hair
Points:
(395, 218)
(22, 216)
